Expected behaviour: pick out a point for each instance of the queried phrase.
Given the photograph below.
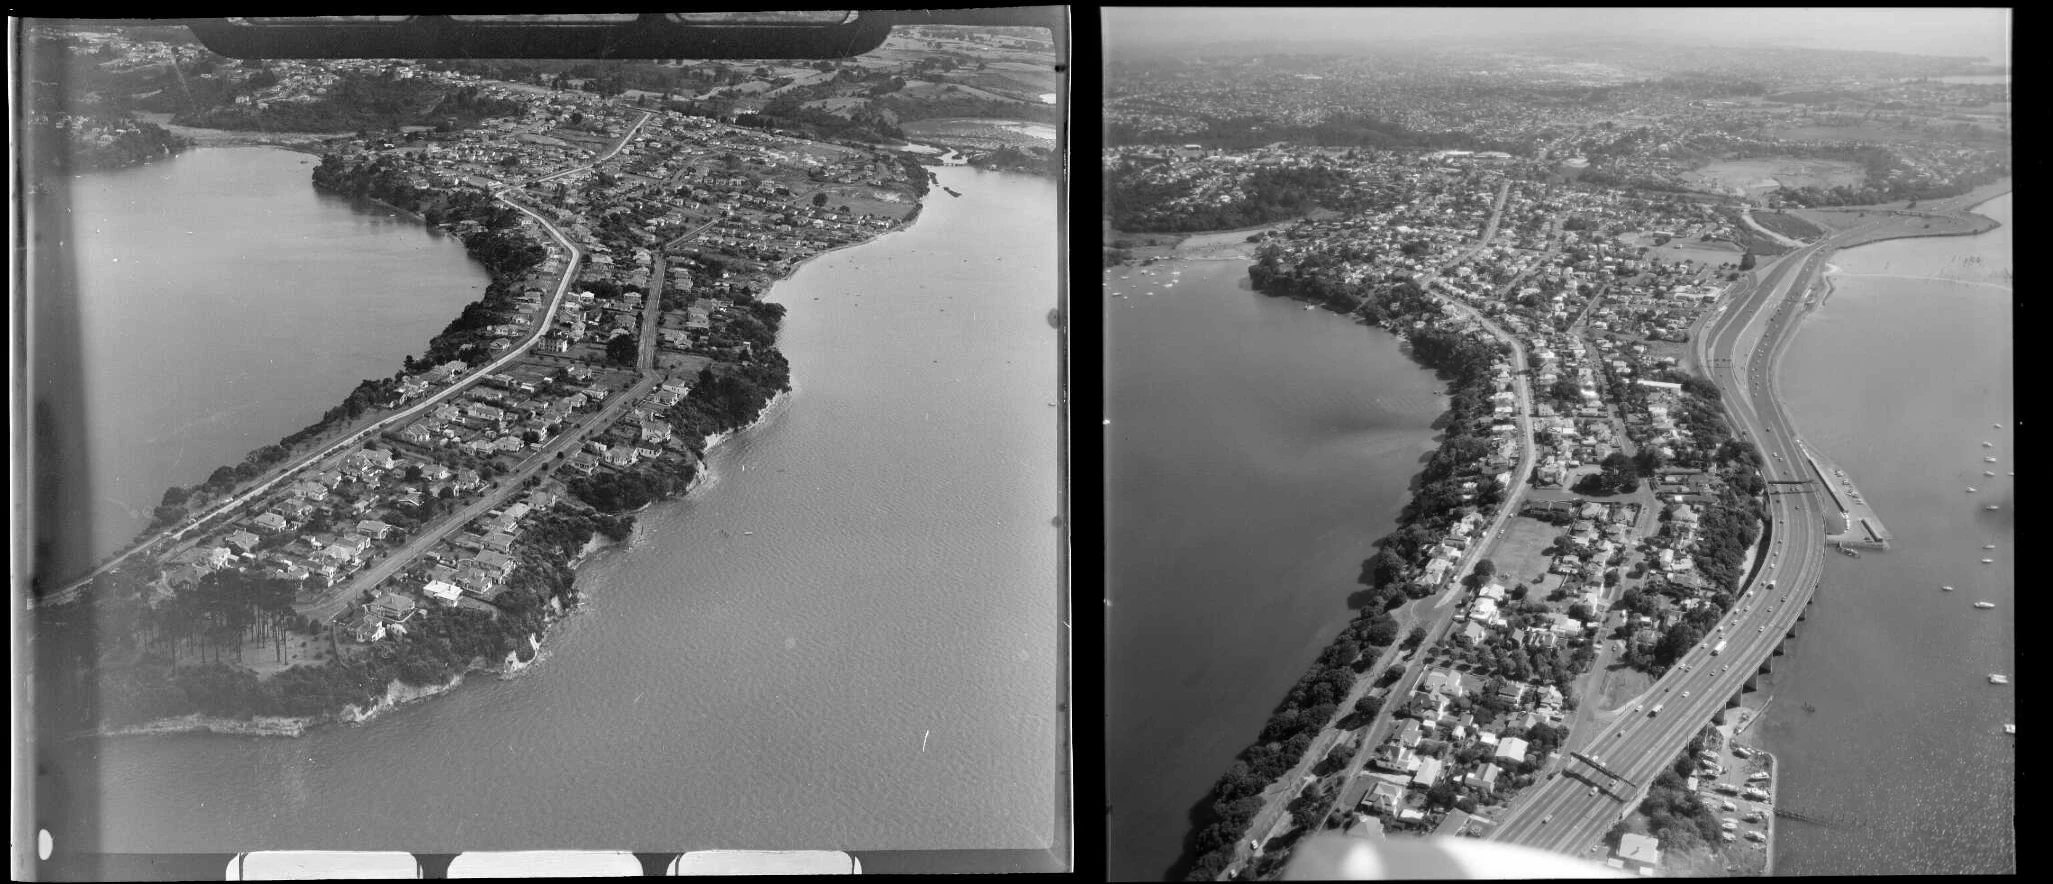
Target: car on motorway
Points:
(1762, 629)
(1685, 695)
(1640, 708)
(1593, 790)
(1546, 819)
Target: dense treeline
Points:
(1032, 160)
(356, 101)
(430, 648)
(1138, 204)
(787, 112)
(102, 142)
(1344, 130)
(1311, 704)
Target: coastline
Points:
(398, 694)
(1191, 859)
(1983, 224)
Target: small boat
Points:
(2010, 728)
(1970, 489)
(1999, 426)
(1989, 507)
(1988, 472)
(1988, 460)
(1985, 605)
(748, 533)
(1987, 561)
(1988, 445)
(1947, 588)
(1988, 546)
(1309, 307)
(1998, 679)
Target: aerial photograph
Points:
(582, 448)
(1558, 443)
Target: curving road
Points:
(193, 523)
(1576, 805)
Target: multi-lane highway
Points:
(1572, 807)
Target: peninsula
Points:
(428, 526)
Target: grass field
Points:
(1620, 683)
(1518, 553)
(1792, 226)
(1759, 175)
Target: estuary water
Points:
(847, 640)
(1255, 449)
(222, 303)
(1884, 721)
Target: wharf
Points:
(1860, 526)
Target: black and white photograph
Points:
(527, 445)
(1557, 442)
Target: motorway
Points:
(1572, 808)
(512, 354)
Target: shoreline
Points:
(397, 694)
(1188, 859)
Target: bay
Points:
(757, 666)
(222, 303)
(1255, 451)
(1900, 377)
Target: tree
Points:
(622, 349)
(1746, 261)
(820, 199)
(1417, 637)
(1486, 569)
(1382, 631)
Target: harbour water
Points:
(1900, 377)
(222, 303)
(845, 641)
(1255, 450)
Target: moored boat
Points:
(1985, 604)
(1995, 678)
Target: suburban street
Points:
(513, 353)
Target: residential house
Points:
(1427, 774)
(1512, 691)
(497, 562)
(393, 607)
(1386, 797)
(443, 591)
(271, 523)
(244, 542)
(1512, 749)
